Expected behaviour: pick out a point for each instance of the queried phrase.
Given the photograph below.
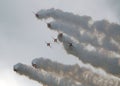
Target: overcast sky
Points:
(23, 37)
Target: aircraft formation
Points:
(55, 40)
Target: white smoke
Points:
(75, 20)
(80, 74)
(110, 29)
(85, 37)
(44, 77)
(96, 58)
(92, 43)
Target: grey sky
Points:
(22, 36)
(114, 5)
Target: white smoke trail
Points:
(112, 30)
(81, 74)
(82, 21)
(109, 29)
(85, 37)
(61, 27)
(44, 77)
(97, 59)
(51, 66)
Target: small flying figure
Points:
(70, 44)
(34, 65)
(48, 44)
(37, 16)
(60, 34)
(49, 25)
(55, 40)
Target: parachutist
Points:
(37, 15)
(49, 25)
(55, 40)
(48, 44)
(60, 34)
(34, 65)
(70, 44)
(15, 69)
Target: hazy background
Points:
(22, 36)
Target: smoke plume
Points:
(95, 58)
(44, 77)
(80, 74)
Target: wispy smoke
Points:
(80, 74)
(44, 77)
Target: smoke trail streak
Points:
(109, 29)
(97, 59)
(112, 30)
(85, 37)
(51, 66)
(45, 78)
(58, 26)
(66, 17)
(81, 74)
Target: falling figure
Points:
(49, 25)
(60, 34)
(70, 44)
(37, 16)
(55, 40)
(48, 44)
